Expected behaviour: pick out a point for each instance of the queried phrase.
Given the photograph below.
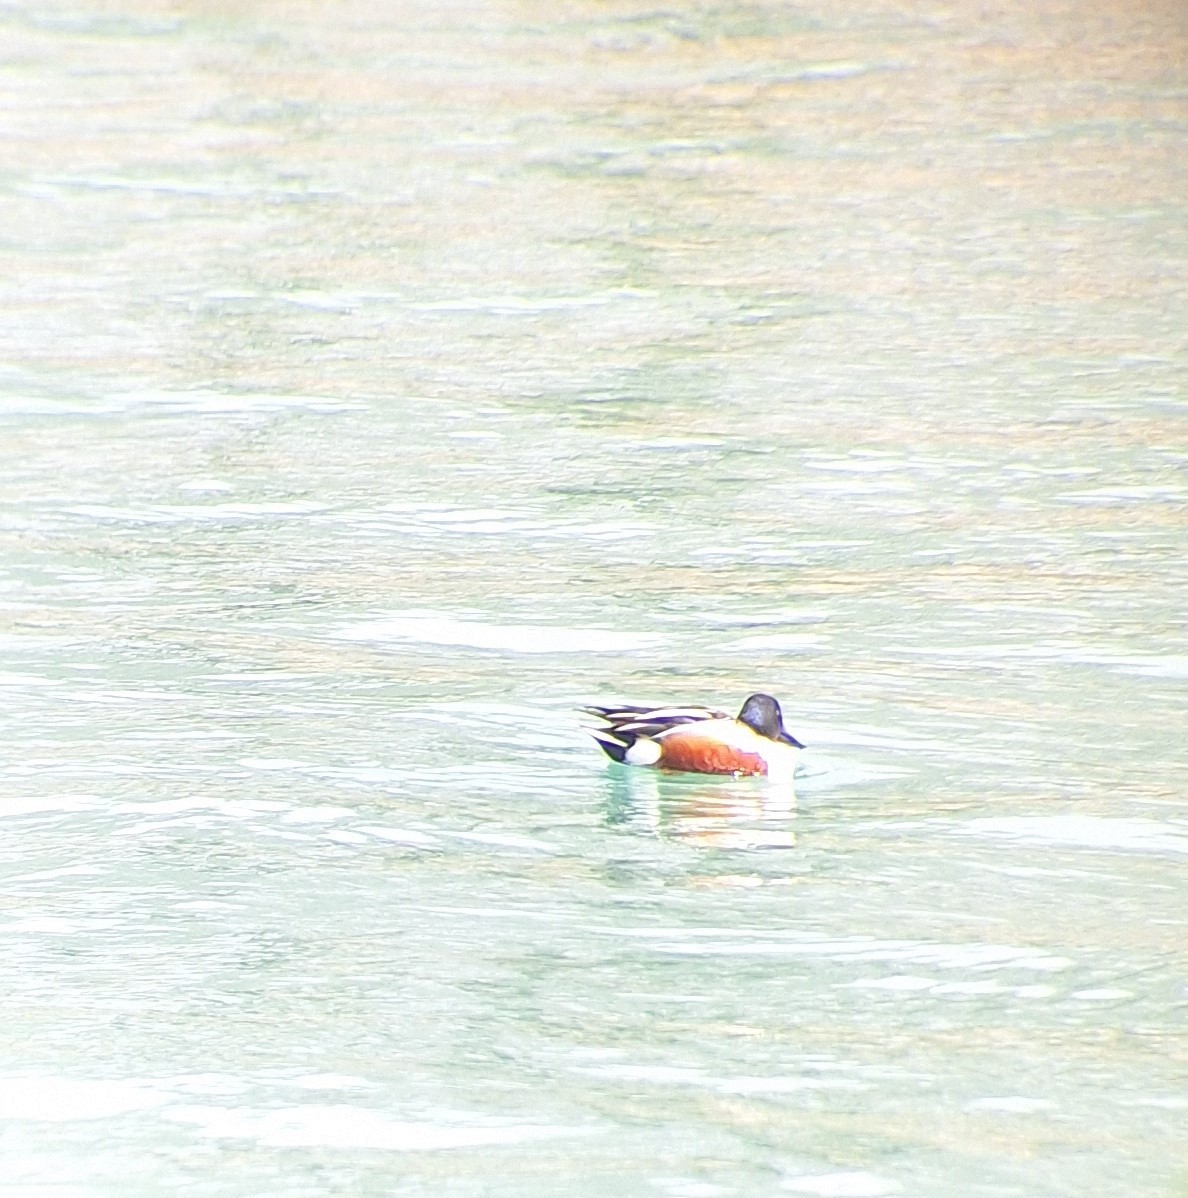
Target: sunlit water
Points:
(382, 381)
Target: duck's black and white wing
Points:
(619, 730)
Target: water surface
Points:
(377, 385)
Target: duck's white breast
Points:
(781, 758)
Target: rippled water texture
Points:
(378, 382)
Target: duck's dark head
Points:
(762, 714)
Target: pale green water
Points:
(378, 385)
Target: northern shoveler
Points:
(698, 739)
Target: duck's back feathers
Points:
(627, 734)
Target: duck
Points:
(698, 740)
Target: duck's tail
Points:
(604, 725)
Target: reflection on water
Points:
(719, 813)
(378, 384)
